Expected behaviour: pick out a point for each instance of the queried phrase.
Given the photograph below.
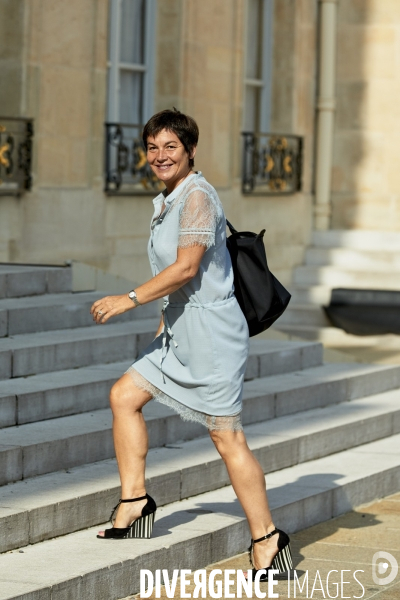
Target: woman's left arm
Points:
(168, 281)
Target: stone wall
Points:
(11, 51)
(62, 58)
(55, 63)
(366, 175)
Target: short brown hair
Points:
(184, 127)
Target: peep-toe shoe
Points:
(141, 527)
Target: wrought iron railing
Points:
(15, 155)
(272, 164)
(127, 170)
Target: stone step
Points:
(58, 311)
(27, 280)
(303, 314)
(357, 260)
(335, 277)
(62, 393)
(44, 352)
(60, 503)
(380, 241)
(198, 531)
(47, 446)
(329, 336)
(316, 295)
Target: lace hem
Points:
(212, 422)
(196, 238)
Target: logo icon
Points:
(380, 565)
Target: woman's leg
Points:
(131, 445)
(248, 481)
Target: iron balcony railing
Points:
(15, 155)
(272, 164)
(127, 170)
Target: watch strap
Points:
(132, 295)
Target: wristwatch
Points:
(132, 295)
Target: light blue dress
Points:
(196, 366)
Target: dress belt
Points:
(167, 331)
(191, 304)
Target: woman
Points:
(197, 360)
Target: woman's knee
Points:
(227, 442)
(125, 396)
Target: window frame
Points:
(115, 65)
(264, 84)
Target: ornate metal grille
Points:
(15, 155)
(127, 170)
(272, 164)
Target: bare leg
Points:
(131, 445)
(248, 481)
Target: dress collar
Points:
(163, 197)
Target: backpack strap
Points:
(231, 227)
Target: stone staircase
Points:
(326, 434)
(339, 259)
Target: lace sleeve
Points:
(198, 220)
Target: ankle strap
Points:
(134, 499)
(128, 500)
(266, 537)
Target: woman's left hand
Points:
(108, 307)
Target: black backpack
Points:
(260, 295)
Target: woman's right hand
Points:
(110, 306)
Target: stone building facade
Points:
(365, 175)
(56, 67)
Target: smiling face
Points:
(168, 158)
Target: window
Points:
(131, 61)
(130, 96)
(258, 66)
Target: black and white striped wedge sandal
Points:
(282, 561)
(140, 528)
